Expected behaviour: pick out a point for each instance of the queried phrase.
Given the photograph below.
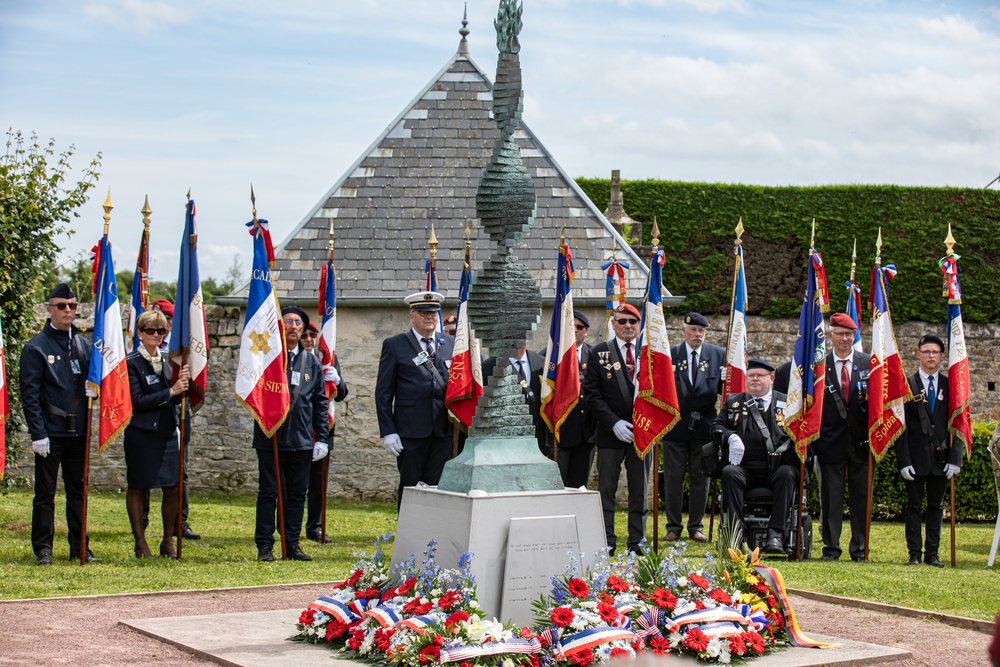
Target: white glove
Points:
(41, 447)
(392, 444)
(950, 470)
(623, 431)
(908, 472)
(722, 373)
(330, 375)
(91, 393)
(320, 449)
(736, 449)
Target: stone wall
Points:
(222, 461)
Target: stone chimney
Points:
(615, 212)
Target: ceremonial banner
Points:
(959, 381)
(736, 349)
(656, 409)
(465, 377)
(854, 312)
(888, 389)
(107, 376)
(261, 383)
(561, 386)
(328, 329)
(140, 292)
(614, 289)
(804, 409)
(188, 331)
(4, 405)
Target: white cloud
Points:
(137, 15)
(950, 27)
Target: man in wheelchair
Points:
(749, 431)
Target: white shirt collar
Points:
(924, 376)
(621, 345)
(515, 360)
(766, 398)
(420, 338)
(848, 359)
(690, 349)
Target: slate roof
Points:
(424, 169)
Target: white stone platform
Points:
(259, 639)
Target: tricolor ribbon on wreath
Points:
(525, 646)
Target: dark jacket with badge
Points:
(699, 399)
(308, 411)
(53, 396)
(580, 426)
(609, 392)
(409, 398)
(532, 393)
(925, 433)
(150, 393)
(737, 416)
(844, 427)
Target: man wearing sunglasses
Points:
(609, 388)
(53, 377)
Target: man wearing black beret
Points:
(53, 378)
(925, 458)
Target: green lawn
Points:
(226, 556)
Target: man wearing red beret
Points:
(609, 389)
(842, 448)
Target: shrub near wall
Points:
(697, 220)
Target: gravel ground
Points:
(85, 631)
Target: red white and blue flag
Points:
(4, 405)
(854, 312)
(656, 409)
(465, 376)
(140, 292)
(736, 350)
(614, 290)
(888, 389)
(561, 380)
(107, 376)
(430, 268)
(261, 383)
(807, 377)
(328, 328)
(188, 331)
(959, 381)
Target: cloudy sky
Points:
(216, 94)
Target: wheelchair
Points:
(757, 503)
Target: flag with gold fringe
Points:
(959, 381)
(561, 379)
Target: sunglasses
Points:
(580, 327)
(158, 332)
(64, 305)
(309, 334)
(627, 320)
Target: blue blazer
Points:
(409, 401)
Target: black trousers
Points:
(782, 481)
(422, 460)
(574, 463)
(69, 453)
(314, 502)
(831, 498)
(678, 458)
(609, 467)
(294, 480)
(935, 487)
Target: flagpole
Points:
(949, 244)
(326, 459)
(655, 233)
(182, 439)
(802, 462)
(871, 458)
(466, 266)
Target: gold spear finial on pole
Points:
(655, 233)
(146, 211)
(107, 211)
(331, 241)
(468, 244)
(433, 243)
(562, 235)
(949, 242)
(878, 248)
(812, 237)
(253, 204)
(854, 259)
(739, 231)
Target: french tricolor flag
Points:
(107, 377)
(888, 389)
(736, 350)
(959, 381)
(189, 330)
(261, 382)
(465, 376)
(561, 386)
(328, 328)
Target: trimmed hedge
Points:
(697, 220)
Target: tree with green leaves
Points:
(36, 206)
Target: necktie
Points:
(520, 372)
(931, 393)
(845, 380)
(694, 367)
(429, 347)
(629, 359)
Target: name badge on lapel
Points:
(75, 365)
(152, 379)
(296, 377)
(421, 358)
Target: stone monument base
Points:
(500, 464)
(480, 523)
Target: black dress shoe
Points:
(914, 560)
(167, 554)
(858, 559)
(91, 558)
(934, 561)
(295, 552)
(188, 533)
(319, 537)
(44, 557)
(827, 557)
(774, 546)
(265, 555)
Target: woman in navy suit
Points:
(151, 438)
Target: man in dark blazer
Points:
(409, 395)
(528, 367)
(576, 436)
(697, 373)
(750, 432)
(925, 457)
(842, 447)
(609, 390)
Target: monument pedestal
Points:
(569, 521)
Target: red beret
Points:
(165, 306)
(312, 327)
(630, 309)
(451, 319)
(842, 320)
